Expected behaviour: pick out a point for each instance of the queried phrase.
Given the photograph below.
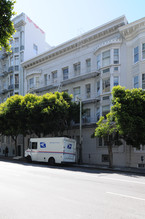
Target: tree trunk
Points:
(110, 152)
(15, 140)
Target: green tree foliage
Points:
(129, 110)
(12, 118)
(48, 114)
(6, 25)
(107, 129)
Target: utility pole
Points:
(80, 143)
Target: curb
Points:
(84, 166)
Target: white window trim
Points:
(133, 55)
(142, 52)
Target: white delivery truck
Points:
(52, 150)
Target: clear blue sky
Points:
(63, 20)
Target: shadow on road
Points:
(78, 168)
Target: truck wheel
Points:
(51, 161)
(29, 159)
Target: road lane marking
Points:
(126, 196)
(123, 180)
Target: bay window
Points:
(106, 85)
(116, 56)
(106, 58)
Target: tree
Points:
(12, 118)
(31, 105)
(6, 25)
(47, 114)
(51, 113)
(107, 129)
(129, 108)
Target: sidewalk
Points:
(86, 166)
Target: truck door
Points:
(69, 151)
(34, 150)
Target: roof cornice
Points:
(76, 43)
(129, 30)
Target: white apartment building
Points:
(88, 67)
(28, 41)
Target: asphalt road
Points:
(38, 191)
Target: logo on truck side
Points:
(69, 146)
(42, 145)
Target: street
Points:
(42, 192)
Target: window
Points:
(98, 88)
(37, 81)
(16, 40)
(143, 81)
(31, 83)
(45, 79)
(21, 38)
(98, 113)
(106, 98)
(105, 110)
(88, 65)
(35, 49)
(136, 54)
(11, 79)
(116, 81)
(88, 90)
(16, 60)
(107, 70)
(65, 73)
(143, 51)
(34, 145)
(98, 61)
(87, 116)
(17, 81)
(11, 61)
(136, 82)
(77, 69)
(21, 57)
(116, 56)
(105, 158)
(115, 68)
(106, 85)
(54, 77)
(100, 141)
(106, 58)
(77, 93)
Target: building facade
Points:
(88, 67)
(28, 41)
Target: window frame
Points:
(65, 74)
(135, 54)
(143, 51)
(106, 58)
(116, 56)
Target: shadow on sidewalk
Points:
(86, 168)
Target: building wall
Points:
(26, 36)
(96, 101)
(113, 44)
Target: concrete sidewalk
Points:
(141, 171)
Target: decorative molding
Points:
(114, 40)
(132, 29)
(74, 44)
(34, 72)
